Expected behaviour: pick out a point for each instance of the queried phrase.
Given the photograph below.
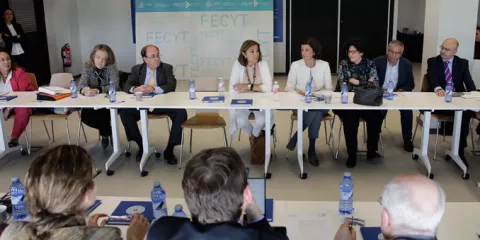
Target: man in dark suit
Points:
(217, 194)
(448, 68)
(153, 77)
(396, 68)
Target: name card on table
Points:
(242, 102)
(213, 99)
(125, 210)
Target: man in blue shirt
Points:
(393, 67)
(152, 77)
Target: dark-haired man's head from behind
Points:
(215, 186)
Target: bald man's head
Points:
(413, 205)
(449, 48)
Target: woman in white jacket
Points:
(249, 74)
(310, 69)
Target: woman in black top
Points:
(100, 70)
(14, 38)
(358, 72)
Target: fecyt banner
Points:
(202, 38)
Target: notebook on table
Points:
(121, 215)
(7, 98)
(371, 233)
(93, 206)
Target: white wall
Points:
(90, 22)
(108, 22)
(411, 14)
(441, 23)
(62, 27)
(478, 16)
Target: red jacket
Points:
(20, 81)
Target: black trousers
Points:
(406, 119)
(466, 116)
(130, 118)
(351, 120)
(98, 119)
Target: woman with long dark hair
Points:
(14, 38)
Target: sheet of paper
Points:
(310, 226)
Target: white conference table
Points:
(262, 101)
(460, 220)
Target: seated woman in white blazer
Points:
(249, 74)
(309, 68)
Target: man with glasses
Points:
(447, 68)
(393, 67)
(412, 208)
(152, 77)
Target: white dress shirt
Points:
(16, 47)
(7, 85)
(391, 74)
(300, 73)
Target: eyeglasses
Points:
(101, 59)
(380, 201)
(153, 56)
(352, 52)
(394, 53)
(98, 171)
(446, 49)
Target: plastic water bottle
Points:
(179, 211)
(390, 88)
(344, 94)
(73, 89)
(17, 192)
(276, 90)
(191, 90)
(112, 94)
(221, 87)
(308, 92)
(159, 201)
(449, 93)
(346, 194)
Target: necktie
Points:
(448, 75)
(151, 83)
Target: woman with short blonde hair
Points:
(100, 70)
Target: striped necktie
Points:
(448, 75)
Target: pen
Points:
(119, 217)
(120, 101)
(351, 224)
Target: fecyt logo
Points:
(185, 4)
(249, 4)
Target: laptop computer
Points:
(258, 187)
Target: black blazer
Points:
(182, 228)
(406, 81)
(9, 40)
(460, 74)
(165, 78)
